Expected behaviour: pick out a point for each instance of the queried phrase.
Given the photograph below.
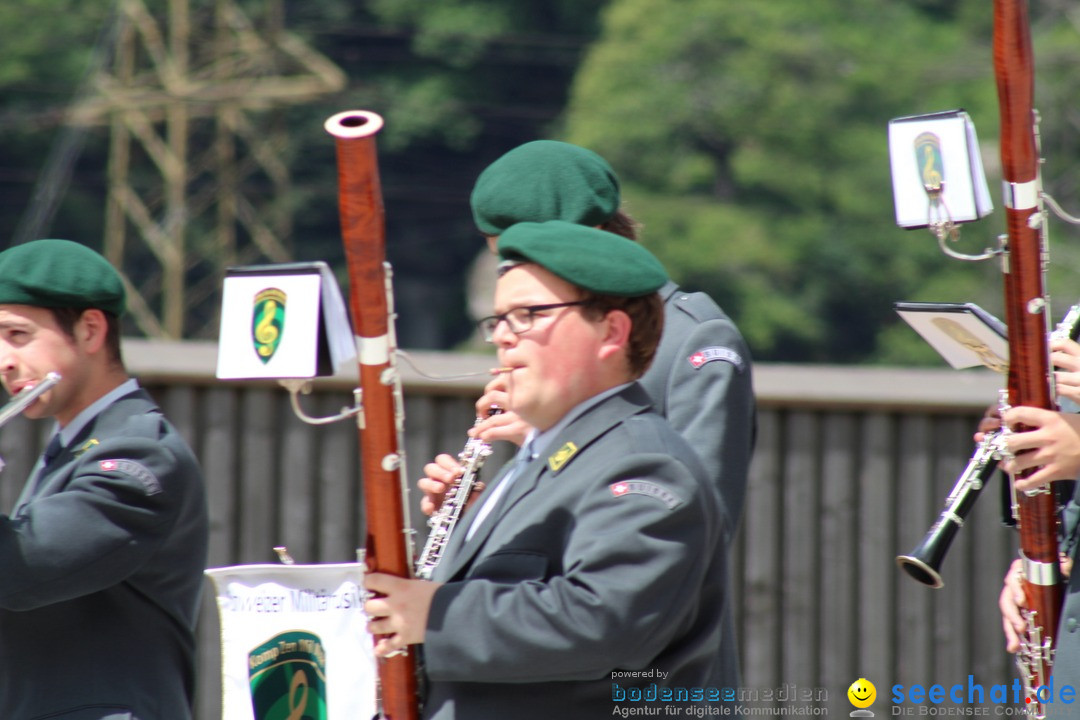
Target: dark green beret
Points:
(59, 274)
(545, 180)
(592, 259)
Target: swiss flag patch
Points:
(649, 489)
(704, 356)
(133, 469)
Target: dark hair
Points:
(646, 314)
(67, 317)
(622, 224)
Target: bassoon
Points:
(388, 542)
(1027, 309)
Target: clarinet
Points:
(444, 520)
(924, 562)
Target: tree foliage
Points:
(750, 139)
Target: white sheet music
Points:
(941, 146)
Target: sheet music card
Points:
(283, 321)
(937, 171)
(962, 333)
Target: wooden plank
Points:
(219, 457)
(800, 581)
(917, 505)
(759, 603)
(952, 602)
(297, 522)
(838, 555)
(339, 506)
(258, 470)
(876, 548)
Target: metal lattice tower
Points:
(195, 172)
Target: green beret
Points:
(592, 259)
(59, 274)
(545, 180)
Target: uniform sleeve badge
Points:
(706, 355)
(643, 487)
(136, 470)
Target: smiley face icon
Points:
(862, 693)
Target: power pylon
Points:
(196, 174)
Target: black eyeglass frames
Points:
(519, 319)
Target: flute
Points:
(26, 397)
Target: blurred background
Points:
(184, 136)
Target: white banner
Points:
(294, 642)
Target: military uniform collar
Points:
(91, 411)
(541, 440)
(669, 289)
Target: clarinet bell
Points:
(924, 562)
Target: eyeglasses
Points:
(520, 319)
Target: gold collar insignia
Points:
(561, 456)
(86, 446)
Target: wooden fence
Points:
(852, 466)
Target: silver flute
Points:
(23, 399)
(443, 521)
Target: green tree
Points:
(752, 139)
(458, 83)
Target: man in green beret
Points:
(101, 559)
(593, 573)
(548, 180)
(700, 379)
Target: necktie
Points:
(51, 450)
(30, 489)
(524, 455)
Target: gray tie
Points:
(524, 455)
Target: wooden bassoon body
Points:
(1027, 315)
(388, 542)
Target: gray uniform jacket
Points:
(101, 573)
(700, 380)
(606, 556)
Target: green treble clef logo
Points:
(931, 165)
(268, 322)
